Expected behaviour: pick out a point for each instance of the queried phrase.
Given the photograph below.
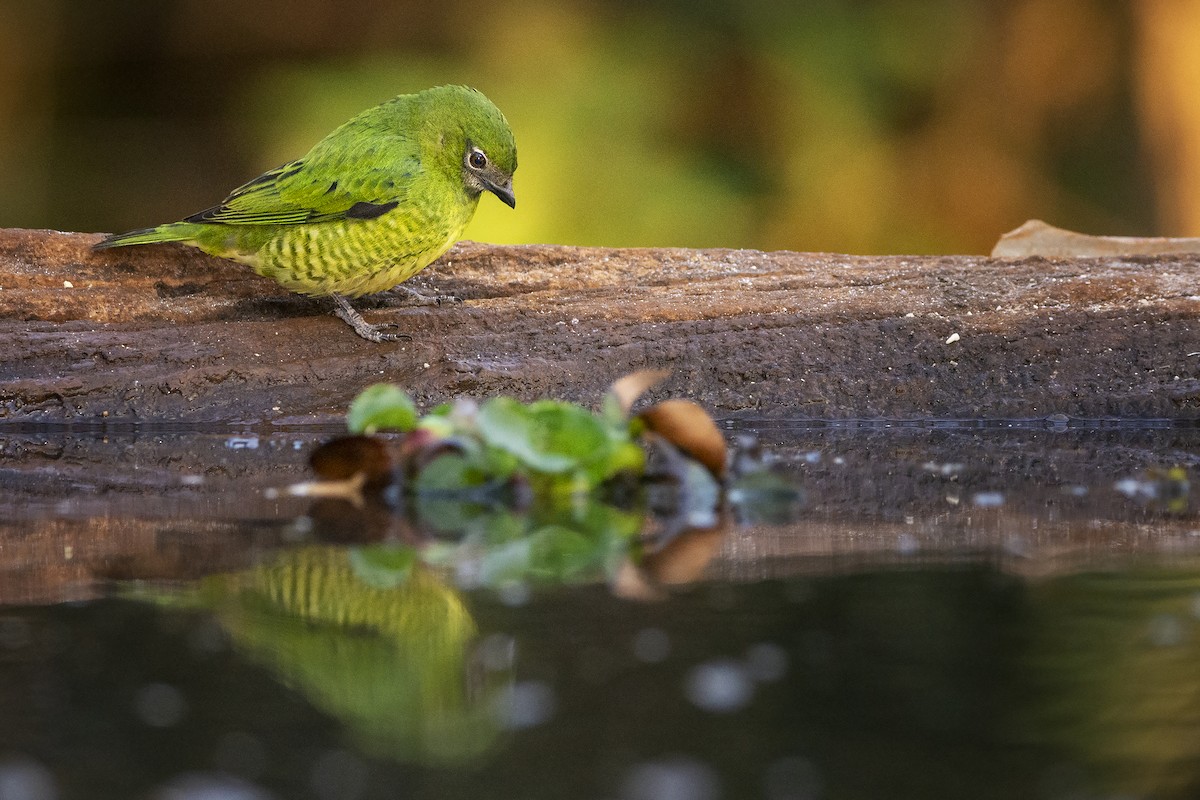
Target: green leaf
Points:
(568, 429)
(443, 493)
(439, 426)
(448, 473)
(499, 526)
(509, 425)
(629, 457)
(603, 521)
(558, 553)
(383, 406)
(504, 563)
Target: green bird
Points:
(368, 207)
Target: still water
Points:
(961, 610)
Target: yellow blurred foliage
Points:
(885, 126)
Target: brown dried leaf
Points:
(685, 558)
(689, 427)
(629, 388)
(1036, 238)
(631, 583)
(349, 489)
(344, 458)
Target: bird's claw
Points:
(376, 333)
(412, 297)
(372, 333)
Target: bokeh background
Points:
(865, 126)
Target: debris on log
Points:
(1036, 238)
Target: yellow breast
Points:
(356, 257)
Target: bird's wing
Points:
(323, 186)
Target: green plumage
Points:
(369, 206)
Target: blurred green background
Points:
(884, 126)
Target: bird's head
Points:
(481, 142)
(485, 173)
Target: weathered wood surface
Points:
(168, 334)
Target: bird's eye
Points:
(477, 159)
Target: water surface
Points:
(961, 610)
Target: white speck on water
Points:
(1132, 487)
(839, 461)
(22, 778)
(525, 704)
(160, 705)
(299, 529)
(988, 499)
(721, 686)
(766, 662)
(676, 778)
(1129, 487)
(907, 544)
(242, 442)
(812, 457)
(651, 645)
(191, 480)
(1075, 490)
(1058, 421)
(946, 470)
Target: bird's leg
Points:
(372, 333)
(416, 298)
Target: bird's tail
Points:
(173, 232)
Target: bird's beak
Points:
(504, 192)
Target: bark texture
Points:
(168, 334)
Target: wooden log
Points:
(165, 333)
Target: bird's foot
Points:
(372, 333)
(412, 297)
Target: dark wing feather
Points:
(329, 184)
